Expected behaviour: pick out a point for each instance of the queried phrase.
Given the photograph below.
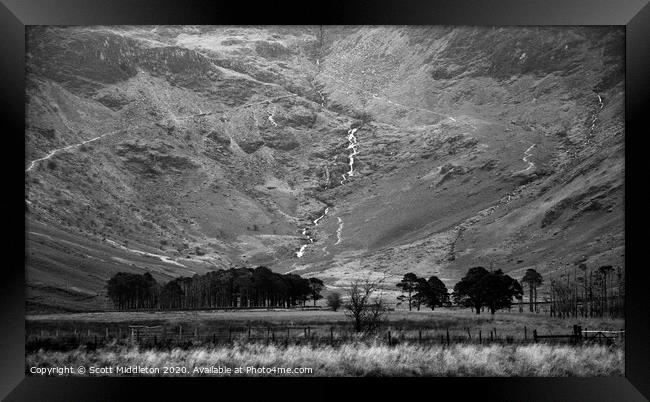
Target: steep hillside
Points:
(339, 152)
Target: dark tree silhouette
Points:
(235, 287)
(533, 279)
(479, 288)
(432, 293)
(497, 290)
(408, 285)
(467, 292)
(315, 287)
(420, 292)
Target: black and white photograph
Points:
(325, 201)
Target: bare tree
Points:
(366, 313)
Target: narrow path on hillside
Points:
(161, 257)
(505, 200)
(54, 152)
(392, 102)
(595, 117)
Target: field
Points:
(444, 342)
(354, 359)
(512, 323)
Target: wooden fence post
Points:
(448, 339)
(579, 333)
(106, 332)
(525, 333)
(331, 335)
(469, 334)
(389, 340)
(420, 336)
(229, 334)
(480, 340)
(495, 333)
(535, 335)
(180, 331)
(249, 332)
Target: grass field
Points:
(354, 359)
(455, 320)
(419, 347)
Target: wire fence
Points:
(179, 336)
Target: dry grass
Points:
(359, 359)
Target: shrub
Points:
(334, 301)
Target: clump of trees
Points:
(417, 291)
(480, 288)
(235, 287)
(132, 291)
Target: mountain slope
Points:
(365, 150)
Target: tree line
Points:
(420, 291)
(581, 291)
(231, 288)
(587, 291)
(478, 289)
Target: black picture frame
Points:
(16, 14)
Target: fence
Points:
(182, 336)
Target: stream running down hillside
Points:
(305, 232)
(353, 144)
(528, 154)
(595, 117)
(339, 231)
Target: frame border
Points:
(15, 15)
